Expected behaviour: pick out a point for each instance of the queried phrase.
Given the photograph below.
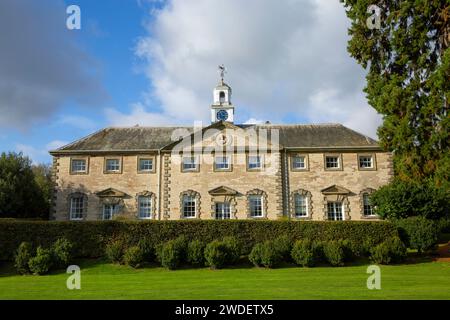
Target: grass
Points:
(100, 280)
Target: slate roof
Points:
(115, 139)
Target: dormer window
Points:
(222, 97)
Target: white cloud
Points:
(55, 144)
(39, 155)
(284, 57)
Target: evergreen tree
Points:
(408, 80)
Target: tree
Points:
(408, 63)
(20, 194)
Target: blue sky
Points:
(153, 62)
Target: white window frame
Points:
(190, 163)
(338, 162)
(362, 160)
(259, 162)
(107, 169)
(252, 206)
(367, 205)
(190, 199)
(227, 163)
(335, 205)
(148, 206)
(80, 207)
(304, 205)
(113, 208)
(222, 211)
(152, 166)
(72, 162)
(294, 162)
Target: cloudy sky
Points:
(154, 62)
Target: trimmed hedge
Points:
(90, 237)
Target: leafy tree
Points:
(408, 63)
(403, 199)
(20, 194)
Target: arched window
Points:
(366, 207)
(301, 204)
(146, 205)
(222, 97)
(190, 204)
(256, 204)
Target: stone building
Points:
(222, 171)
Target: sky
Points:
(154, 63)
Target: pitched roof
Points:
(135, 139)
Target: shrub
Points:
(134, 257)
(114, 251)
(196, 253)
(233, 250)
(380, 254)
(173, 253)
(62, 252)
(418, 233)
(399, 200)
(392, 250)
(158, 252)
(148, 251)
(443, 225)
(334, 253)
(92, 237)
(22, 257)
(216, 254)
(284, 246)
(305, 253)
(256, 254)
(270, 256)
(42, 262)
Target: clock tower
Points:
(222, 109)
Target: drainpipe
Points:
(159, 165)
(286, 187)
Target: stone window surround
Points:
(339, 156)
(337, 198)
(262, 160)
(197, 197)
(230, 199)
(110, 200)
(361, 204)
(263, 194)
(291, 159)
(79, 158)
(153, 204)
(105, 159)
(197, 162)
(374, 161)
(85, 204)
(309, 206)
(144, 157)
(230, 163)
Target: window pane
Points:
(256, 206)
(189, 206)
(78, 165)
(76, 208)
(189, 163)
(368, 210)
(254, 162)
(145, 164)
(223, 210)
(298, 162)
(300, 205)
(335, 211)
(112, 165)
(365, 162)
(109, 210)
(145, 207)
(222, 162)
(332, 162)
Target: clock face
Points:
(222, 115)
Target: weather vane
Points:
(222, 71)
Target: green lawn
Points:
(423, 280)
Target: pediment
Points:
(111, 192)
(335, 189)
(223, 191)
